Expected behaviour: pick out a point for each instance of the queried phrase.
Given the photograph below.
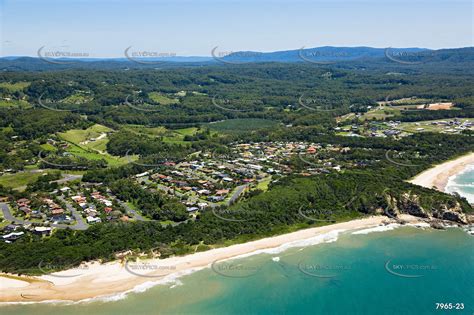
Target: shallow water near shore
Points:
(463, 183)
(402, 271)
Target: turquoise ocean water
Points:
(463, 183)
(406, 270)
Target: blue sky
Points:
(105, 28)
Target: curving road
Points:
(238, 191)
(68, 178)
(9, 216)
(80, 223)
(129, 210)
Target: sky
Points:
(105, 28)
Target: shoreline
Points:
(438, 176)
(113, 280)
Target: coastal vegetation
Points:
(115, 127)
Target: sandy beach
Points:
(100, 280)
(93, 280)
(438, 176)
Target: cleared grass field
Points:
(263, 184)
(169, 135)
(380, 113)
(14, 87)
(390, 111)
(187, 131)
(90, 154)
(177, 135)
(405, 101)
(162, 99)
(149, 131)
(79, 135)
(428, 126)
(91, 144)
(48, 147)
(18, 179)
(31, 174)
(77, 98)
(14, 103)
(92, 138)
(98, 145)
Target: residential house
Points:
(92, 220)
(42, 230)
(9, 238)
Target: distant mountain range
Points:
(326, 54)
(329, 55)
(319, 55)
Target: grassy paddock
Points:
(14, 87)
(83, 146)
(162, 99)
(18, 179)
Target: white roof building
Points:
(93, 220)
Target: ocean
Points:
(463, 183)
(394, 270)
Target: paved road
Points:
(68, 178)
(80, 223)
(138, 217)
(9, 216)
(237, 193)
(129, 210)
